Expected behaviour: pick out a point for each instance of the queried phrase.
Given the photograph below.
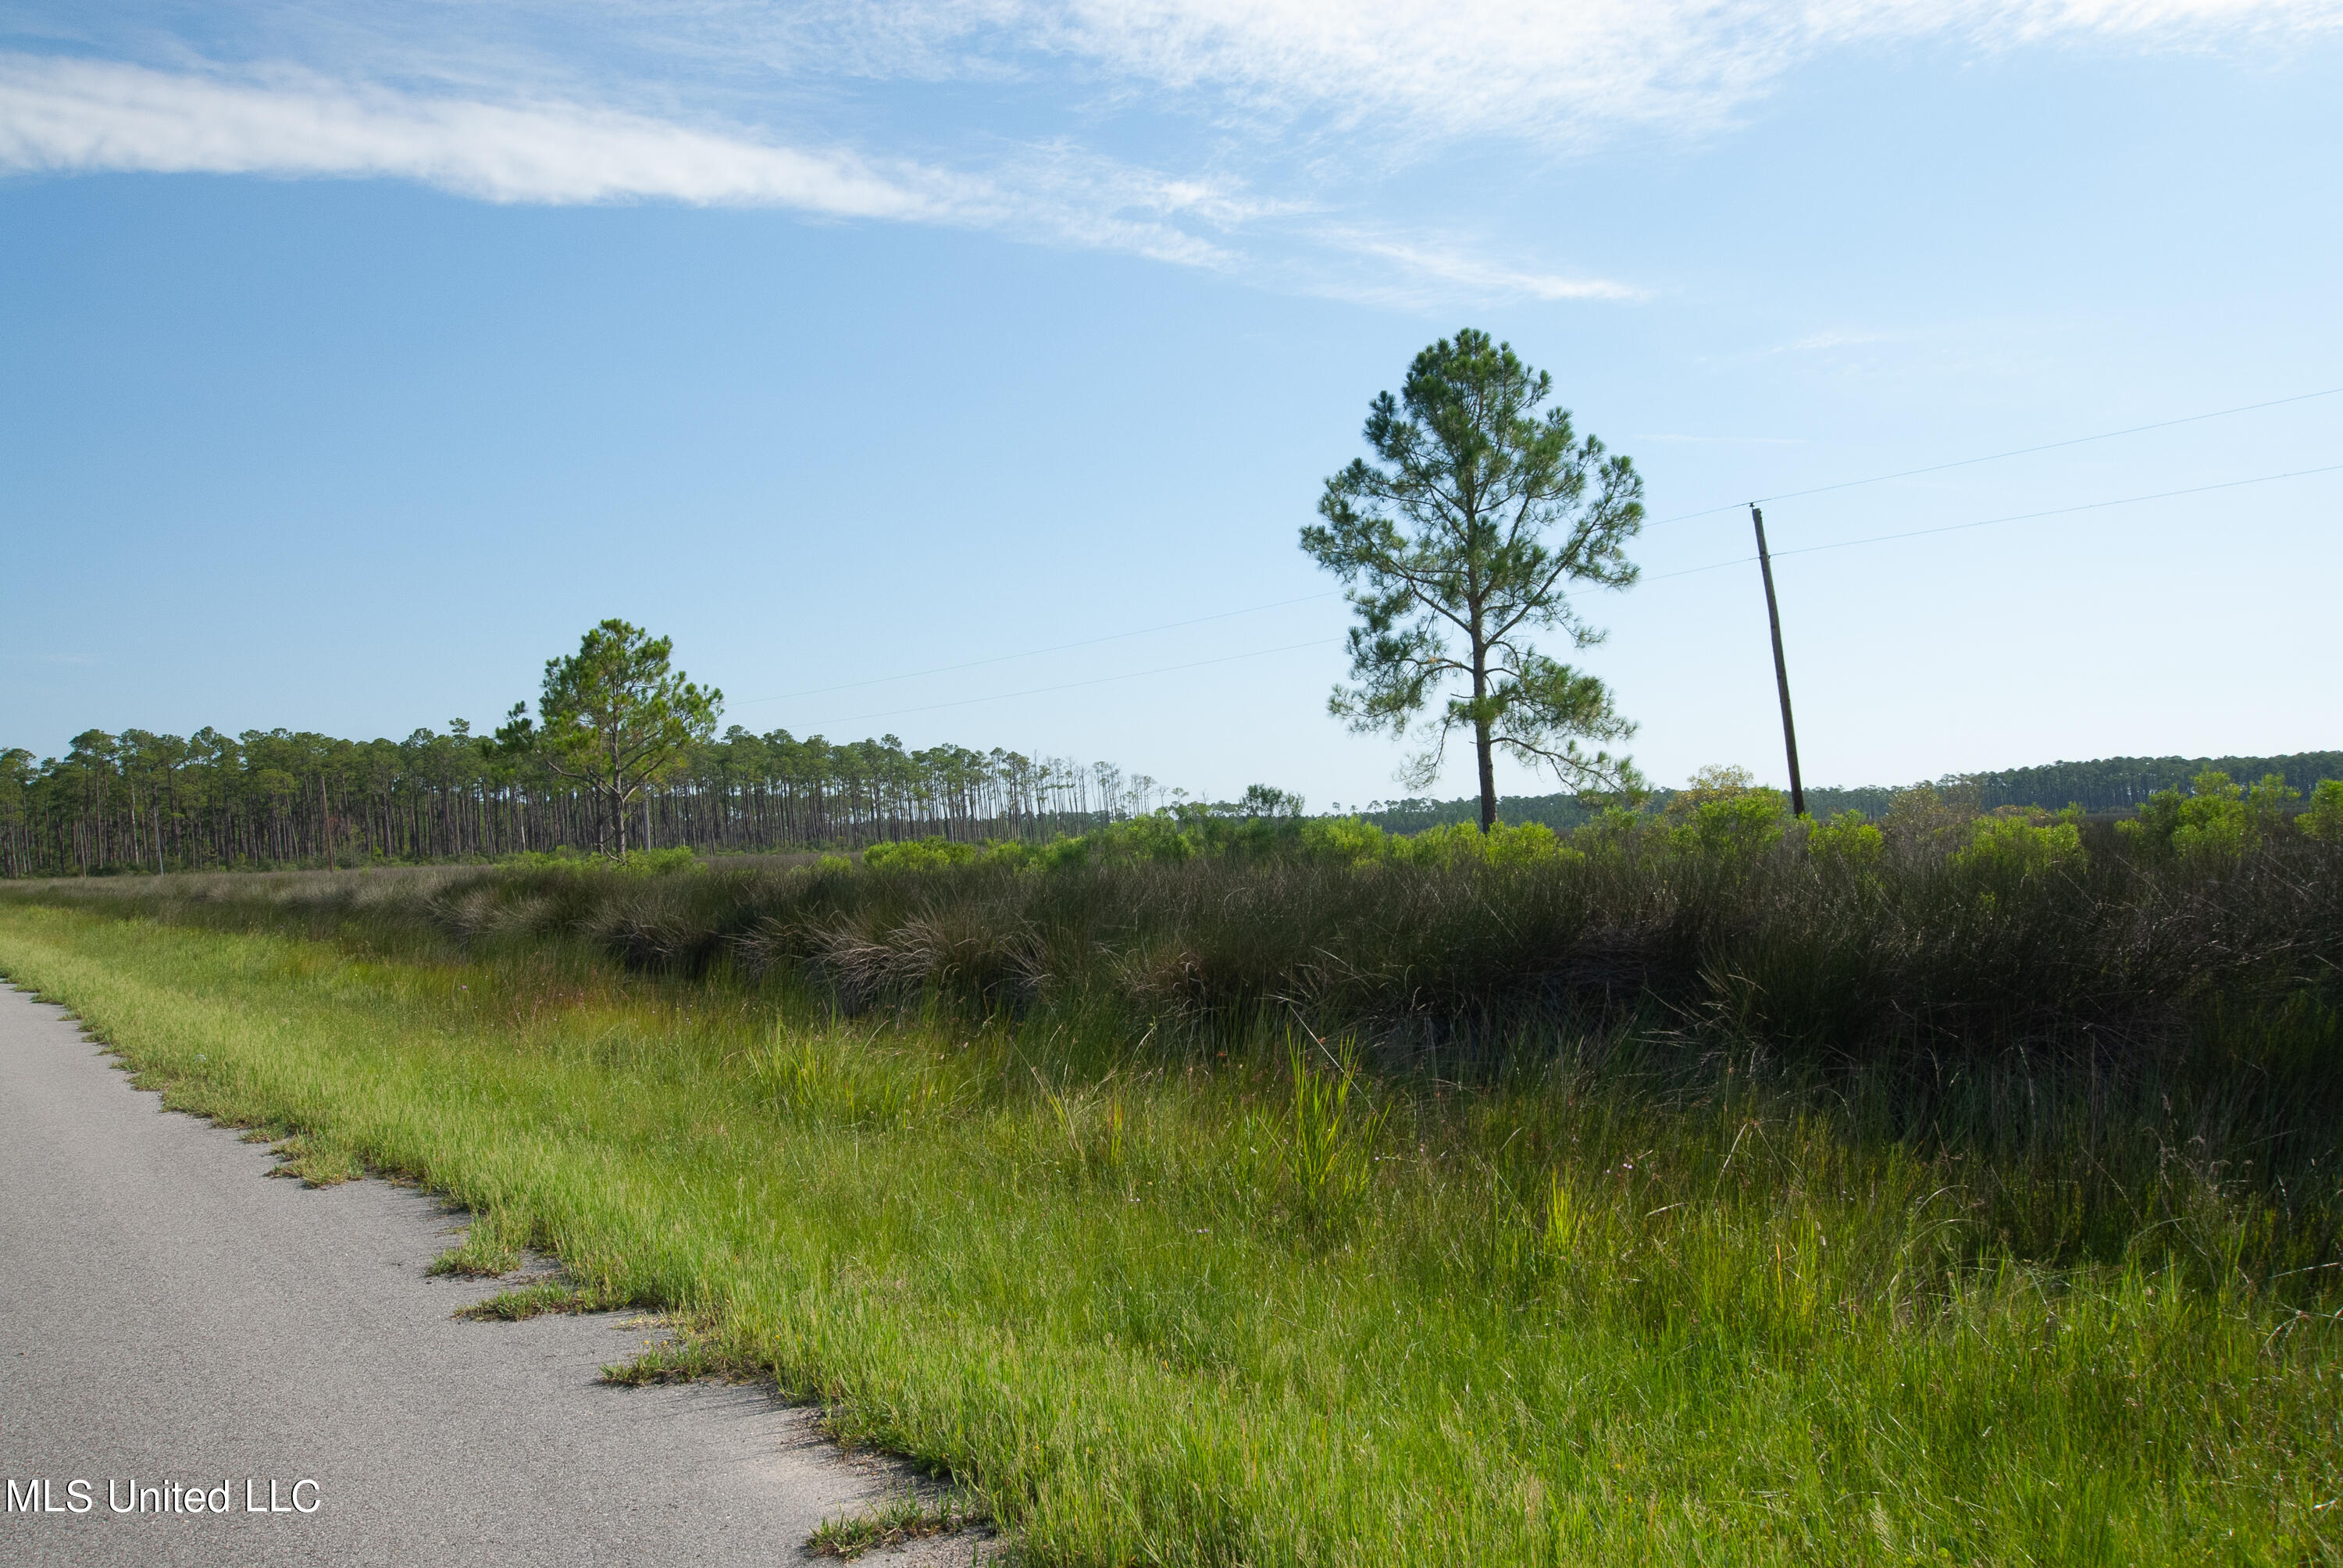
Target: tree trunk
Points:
(1483, 752)
(1488, 776)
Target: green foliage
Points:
(1345, 841)
(1329, 1146)
(1477, 515)
(2217, 821)
(2269, 804)
(2213, 823)
(1715, 781)
(1163, 838)
(2324, 821)
(1736, 827)
(615, 716)
(1267, 800)
(564, 855)
(895, 1522)
(1847, 840)
(1655, 1292)
(2004, 933)
(678, 861)
(2008, 849)
(2120, 784)
(919, 854)
(672, 862)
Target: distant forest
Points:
(2112, 786)
(142, 802)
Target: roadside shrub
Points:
(1736, 828)
(2324, 821)
(1345, 839)
(1463, 844)
(2270, 805)
(638, 862)
(919, 854)
(1847, 842)
(2009, 848)
(1930, 819)
(2215, 822)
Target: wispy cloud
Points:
(69, 116)
(1284, 105)
(1525, 70)
(66, 115)
(1421, 262)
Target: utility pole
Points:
(1781, 667)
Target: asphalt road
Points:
(168, 1315)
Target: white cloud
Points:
(1534, 70)
(614, 100)
(68, 115)
(1439, 263)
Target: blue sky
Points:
(352, 367)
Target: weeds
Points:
(1691, 1269)
(1329, 1147)
(492, 1246)
(896, 1522)
(529, 1301)
(1940, 935)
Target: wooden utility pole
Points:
(1781, 667)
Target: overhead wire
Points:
(1688, 572)
(1997, 457)
(1989, 522)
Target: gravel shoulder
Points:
(168, 1315)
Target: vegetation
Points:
(1954, 1175)
(1473, 522)
(139, 801)
(2123, 784)
(896, 1522)
(2111, 786)
(616, 718)
(1711, 1187)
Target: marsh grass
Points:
(1659, 1282)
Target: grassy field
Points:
(1230, 1293)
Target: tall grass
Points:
(2082, 1020)
(1662, 1201)
(1637, 1305)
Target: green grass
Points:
(1657, 1300)
(893, 1522)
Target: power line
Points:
(1988, 522)
(1035, 652)
(1995, 457)
(1683, 516)
(1096, 680)
(1688, 572)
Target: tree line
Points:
(2108, 787)
(139, 801)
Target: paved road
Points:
(168, 1315)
